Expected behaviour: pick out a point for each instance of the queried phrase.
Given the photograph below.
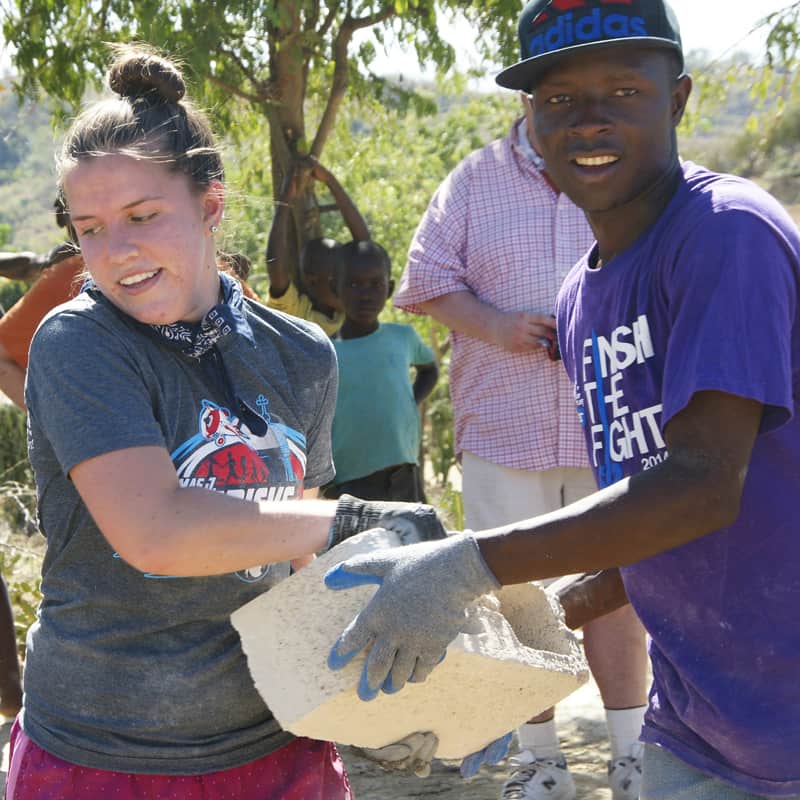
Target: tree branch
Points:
(339, 84)
(262, 89)
(341, 69)
(235, 91)
(103, 15)
(312, 18)
(326, 25)
(371, 19)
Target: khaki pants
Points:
(615, 644)
(495, 495)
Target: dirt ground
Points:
(582, 728)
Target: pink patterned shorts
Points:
(302, 770)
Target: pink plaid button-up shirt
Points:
(496, 228)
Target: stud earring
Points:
(213, 229)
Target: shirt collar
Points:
(525, 153)
(524, 145)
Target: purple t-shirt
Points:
(706, 299)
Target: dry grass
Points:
(21, 563)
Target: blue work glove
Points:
(493, 753)
(419, 608)
(413, 522)
(412, 754)
(415, 753)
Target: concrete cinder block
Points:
(515, 665)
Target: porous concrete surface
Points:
(515, 665)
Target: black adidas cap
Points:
(550, 28)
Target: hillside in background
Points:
(722, 135)
(27, 174)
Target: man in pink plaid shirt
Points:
(487, 261)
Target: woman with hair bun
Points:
(170, 418)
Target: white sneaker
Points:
(544, 779)
(625, 774)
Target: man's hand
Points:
(310, 165)
(588, 596)
(493, 753)
(413, 522)
(419, 608)
(515, 331)
(290, 186)
(523, 331)
(24, 266)
(58, 253)
(414, 754)
(318, 171)
(352, 217)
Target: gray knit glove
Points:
(413, 522)
(418, 609)
(414, 754)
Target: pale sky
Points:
(714, 25)
(718, 26)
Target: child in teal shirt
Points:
(376, 427)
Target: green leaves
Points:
(263, 65)
(783, 38)
(59, 44)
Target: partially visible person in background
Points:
(27, 266)
(21, 266)
(58, 277)
(314, 298)
(10, 681)
(376, 427)
(239, 266)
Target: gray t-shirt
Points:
(142, 673)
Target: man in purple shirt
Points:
(680, 333)
(491, 251)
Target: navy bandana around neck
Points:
(193, 338)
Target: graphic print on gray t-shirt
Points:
(225, 456)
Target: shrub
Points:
(20, 557)
(10, 292)
(21, 568)
(17, 491)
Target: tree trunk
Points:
(286, 117)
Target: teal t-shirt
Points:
(377, 424)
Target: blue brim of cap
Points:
(524, 74)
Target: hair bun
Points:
(137, 74)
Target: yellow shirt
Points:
(299, 305)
